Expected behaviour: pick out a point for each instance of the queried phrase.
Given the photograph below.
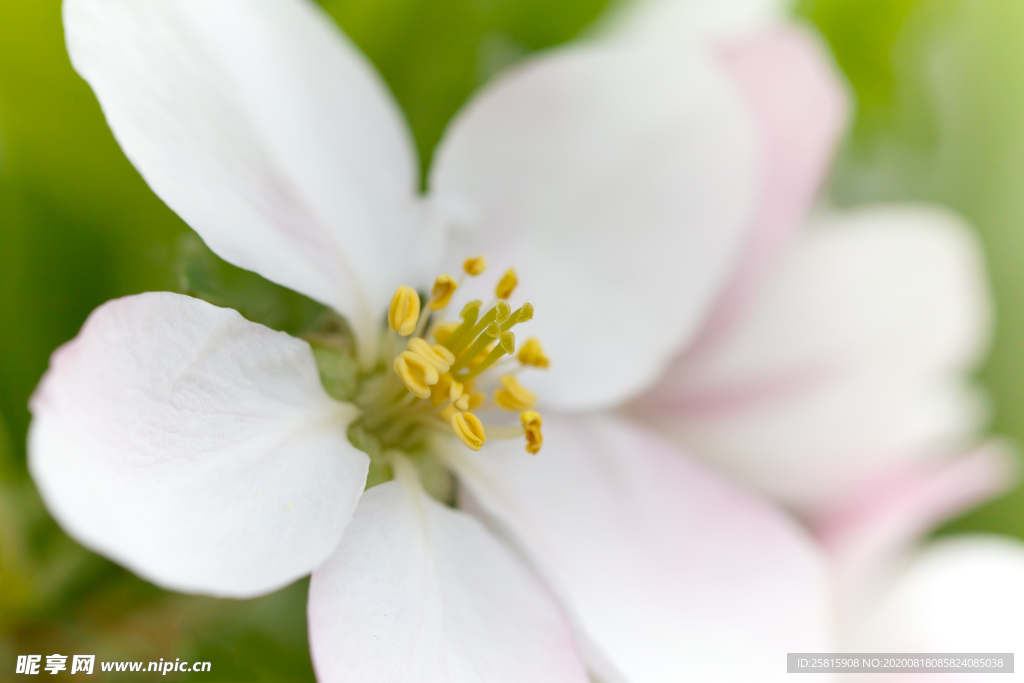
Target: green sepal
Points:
(204, 275)
(339, 371)
(380, 469)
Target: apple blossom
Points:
(612, 186)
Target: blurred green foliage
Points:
(941, 118)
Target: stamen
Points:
(474, 266)
(469, 315)
(439, 391)
(482, 356)
(469, 430)
(468, 401)
(532, 423)
(441, 361)
(416, 373)
(404, 311)
(441, 294)
(470, 354)
(438, 356)
(494, 317)
(506, 346)
(533, 354)
(443, 331)
(514, 396)
(507, 284)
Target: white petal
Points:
(681, 20)
(264, 128)
(869, 528)
(801, 108)
(667, 571)
(853, 358)
(872, 522)
(618, 183)
(962, 594)
(419, 592)
(194, 447)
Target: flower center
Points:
(439, 377)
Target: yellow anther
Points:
(469, 430)
(506, 285)
(404, 311)
(513, 395)
(476, 398)
(443, 331)
(438, 356)
(449, 411)
(533, 354)
(439, 391)
(459, 395)
(441, 294)
(416, 372)
(474, 266)
(532, 423)
(444, 353)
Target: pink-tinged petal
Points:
(852, 359)
(420, 593)
(891, 511)
(619, 183)
(960, 595)
(801, 109)
(265, 129)
(871, 528)
(666, 570)
(194, 447)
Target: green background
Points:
(940, 89)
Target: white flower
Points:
(834, 373)
(201, 451)
(957, 594)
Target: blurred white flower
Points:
(201, 451)
(849, 361)
(957, 595)
(690, 20)
(835, 372)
